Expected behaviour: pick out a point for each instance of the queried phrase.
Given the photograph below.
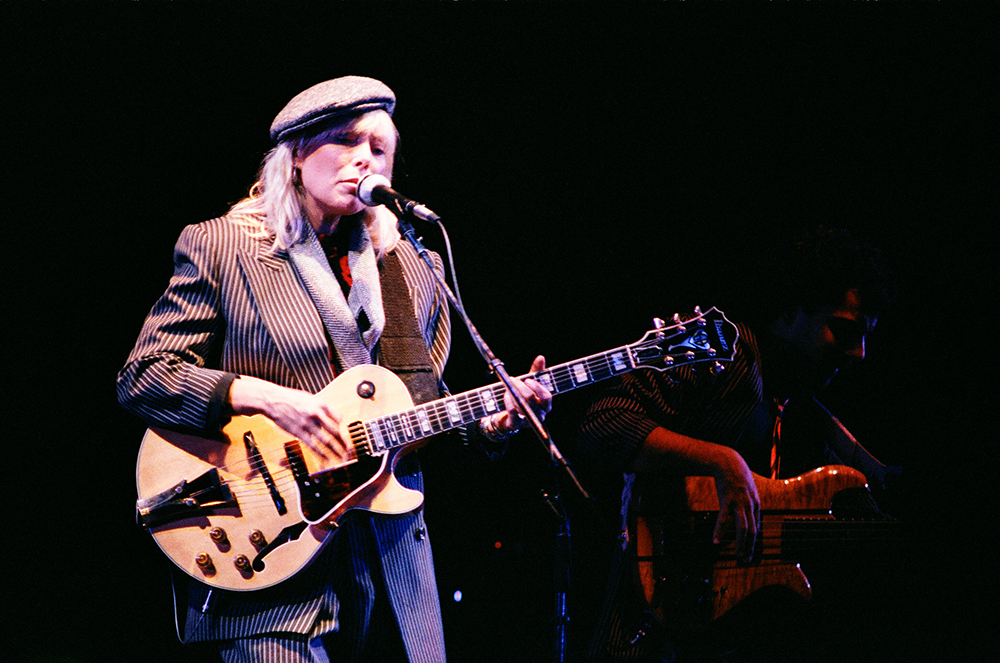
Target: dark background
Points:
(597, 164)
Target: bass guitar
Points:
(253, 509)
(689, 582)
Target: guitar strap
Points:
(402, 348)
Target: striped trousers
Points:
(367, 631)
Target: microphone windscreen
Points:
(367, 186)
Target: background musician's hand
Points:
(305, 416)
(739, 504)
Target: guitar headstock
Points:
(704, 337)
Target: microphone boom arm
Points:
(495, 365)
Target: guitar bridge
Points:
(186, 499)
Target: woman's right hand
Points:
(305, 416)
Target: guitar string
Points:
(253, 491)
(469, 402)
(598, 367)
(439, 417)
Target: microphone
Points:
(374, 190)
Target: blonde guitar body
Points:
(227, 531)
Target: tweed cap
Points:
(341, 96)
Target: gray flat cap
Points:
(340, 96)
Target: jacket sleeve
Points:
(167, 380)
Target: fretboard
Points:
(403, 428)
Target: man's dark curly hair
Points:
(814, 270)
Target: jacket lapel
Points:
(289, 316)
(313, 269)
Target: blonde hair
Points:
(275, 205)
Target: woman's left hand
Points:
(537, 396)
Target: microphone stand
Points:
(557, 461)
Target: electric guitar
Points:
(253, 510)
(688, 582)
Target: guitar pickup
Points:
(185, 500)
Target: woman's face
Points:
(333, 163)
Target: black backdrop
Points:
(597, 164)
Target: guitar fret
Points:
(453, 413)
(423, 421)
(484, 402)
(580, 373)
(544, 378)
(392, 440)
(388, 433)
(563, 376)
(396, 429)
(405, 427)
(489, 400)
(465, 407)
(436, 411)
(443, 416)
(600, 369)
(562, 379)
(618, 361)
(472, 407)
(375, 435)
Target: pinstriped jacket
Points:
(234, 307)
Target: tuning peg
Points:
(717, 368)
(697, 310)
(658, 323)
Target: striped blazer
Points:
(235, 307)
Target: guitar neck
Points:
(706, 337)
(409, 426)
